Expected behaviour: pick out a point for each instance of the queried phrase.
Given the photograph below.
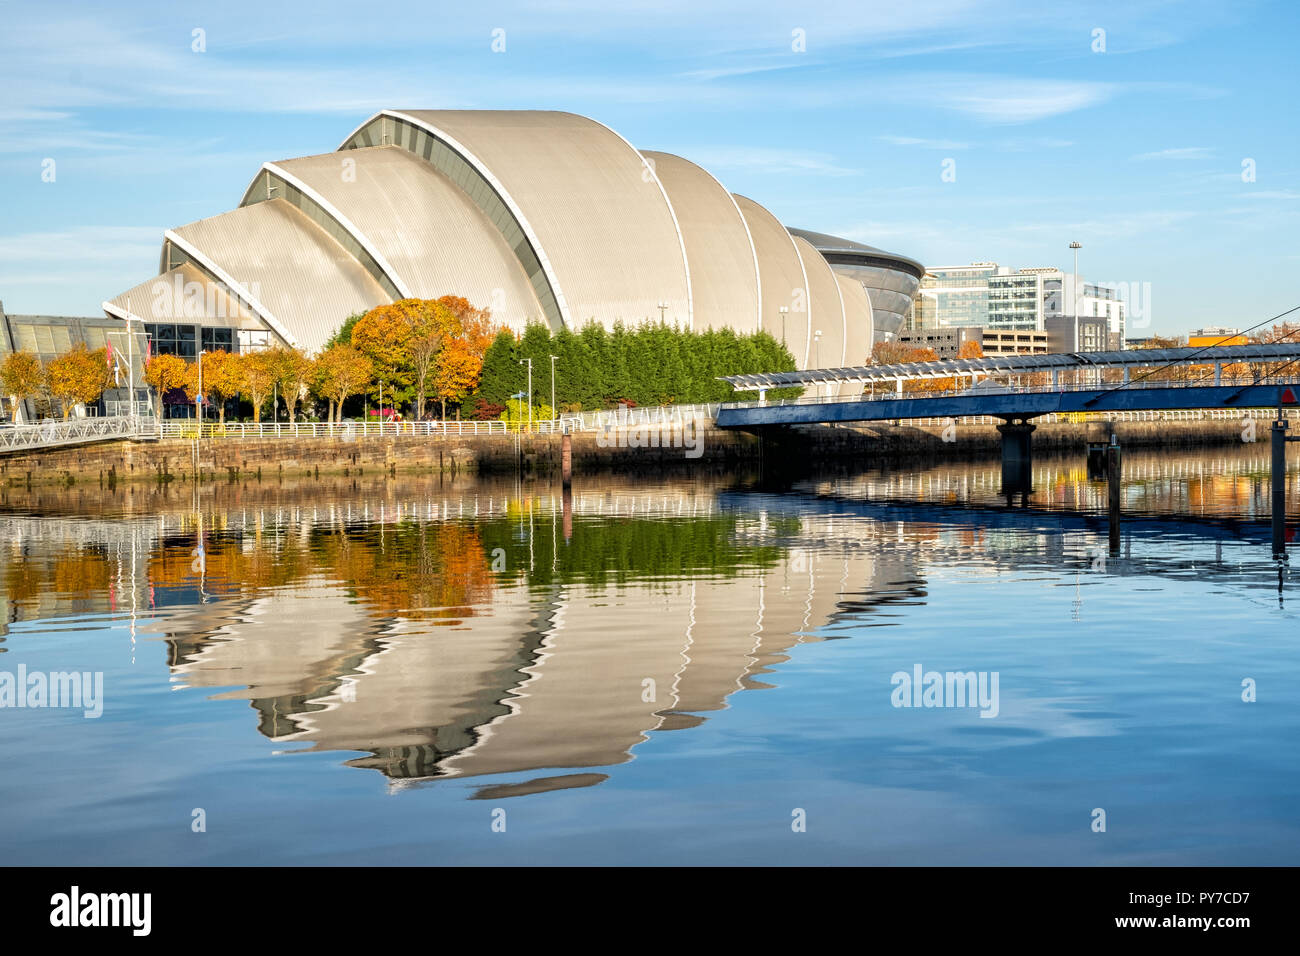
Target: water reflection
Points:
(469, 630)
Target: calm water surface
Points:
(661, 671)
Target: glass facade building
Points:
(953, 296)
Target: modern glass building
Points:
(954, 296)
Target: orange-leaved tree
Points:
(383, 335)
(468, 333)
(163, 373)
(341, 371)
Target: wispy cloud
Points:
(1272, 194)
(1001, 99)
(923, 142)
(766, 159)
(1179, 152)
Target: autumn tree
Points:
(77, 377)
(293, 372)
(431, 325)
(260, 377)
(163, 373)
(22, 377)
(341, 371)
(383, 335)
(469, 333)
(221, 376)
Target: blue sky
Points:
(1136, 151)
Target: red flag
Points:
(1288, 397)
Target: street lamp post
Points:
(529, 363)
(198, 396)
(1074, 294)
(784, 310)
(663, 307)
(554, 415)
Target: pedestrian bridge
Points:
(39, 436)
(1022, 387)
(1019, 388)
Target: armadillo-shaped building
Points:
(538, 216)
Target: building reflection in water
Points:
(475, 629)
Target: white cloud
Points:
(924, 143)
(1179, 152)
(1005, 99)
(765, 159)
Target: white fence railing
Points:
(579, 422)
(76, 431)
(990, 388)
(1081, 418)
(50, 434)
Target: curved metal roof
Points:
(724, 265)
(781, 272)
(284, 267)
(183, 294)
(597, 211)
(404, 212)
(832, 246)
(825, 309)
(859, 326)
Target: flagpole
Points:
(130, 359)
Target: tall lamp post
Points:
(554, 415)
(784, 310)
(1074, 294)
(130, 362)
(529, 363)
(663, 307)
(198, 396)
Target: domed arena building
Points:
(538, 216)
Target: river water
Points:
(675, 670)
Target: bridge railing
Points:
(72, 431)
(886, 394)
(1144, 415)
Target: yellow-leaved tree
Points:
(78, 377)
(294, 372)
(163, 373)
(22, 377)
(220, 376)
(341, 371)
(259, 378)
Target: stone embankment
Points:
(704, 449)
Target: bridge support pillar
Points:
(1017, 456)
(1114, 474)
(1277, 494)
